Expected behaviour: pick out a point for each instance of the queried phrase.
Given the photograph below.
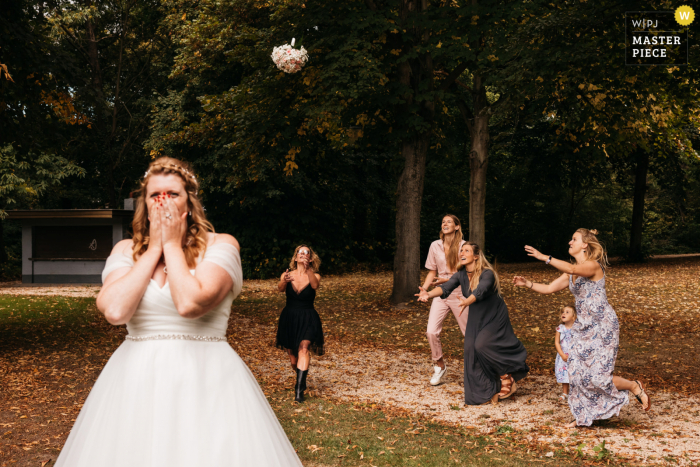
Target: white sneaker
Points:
(437, 375)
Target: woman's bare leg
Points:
(623, 384)
(293, 360)
(304, 356)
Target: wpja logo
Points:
(657, 37)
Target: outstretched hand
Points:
(463, 303)
(531, 251)
(519, 281)
(422, 295)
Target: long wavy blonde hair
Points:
(595, 250)
(314, 260)
(480, 265)
(452, 256)
(197, 224)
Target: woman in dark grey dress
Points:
(494, 359)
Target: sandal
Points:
(492, 401)
(642, 392)
(564, 398)
(509, 389)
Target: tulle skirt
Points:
(171, 403)
(297, 324)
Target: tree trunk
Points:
(3, 256)
(478, 125)
(640, 188)
(408, 207)
(94, 59)
(417, 76)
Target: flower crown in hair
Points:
(171, 166)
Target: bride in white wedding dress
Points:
(174, 393)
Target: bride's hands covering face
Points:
(155, 228)
(174, 223)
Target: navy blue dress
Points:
(490, 346)
(299, 321)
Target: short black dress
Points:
(490, 346)
(299, 321)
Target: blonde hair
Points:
(452, 256)
(595, 251)
(480, 265)
(573, 309)
(197, 224)
(314, 260)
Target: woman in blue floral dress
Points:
(595, 394)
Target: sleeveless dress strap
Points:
(227, 257)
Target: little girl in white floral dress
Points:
(562, 342)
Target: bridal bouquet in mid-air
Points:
(289, 59)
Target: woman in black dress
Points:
(299, 330)
(494, 359)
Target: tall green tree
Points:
(122, 58)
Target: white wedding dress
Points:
(175, 393)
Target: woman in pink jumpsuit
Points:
(442, 262)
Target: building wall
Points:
(65, 272)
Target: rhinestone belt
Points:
(187, 337)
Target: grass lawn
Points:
(329, 433)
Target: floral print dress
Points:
(560, 366)
(595, 341)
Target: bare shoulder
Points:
(318, 276)
(123, 247)
(225, 238)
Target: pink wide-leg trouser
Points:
(438, 312)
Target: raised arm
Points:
(123, 288)
(429, 279)
(485, 288)
(560, 283)
(585, 269)
(196, 295)
(285, 279)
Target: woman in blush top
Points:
(442, 262)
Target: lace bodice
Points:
(156, 313)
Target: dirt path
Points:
(400, 379)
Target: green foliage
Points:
(24, 177)
(505, 429)
(602, 452)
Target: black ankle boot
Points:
(300, 386)
(303, 381)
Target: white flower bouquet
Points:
(289, 59)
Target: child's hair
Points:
(573, 309)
